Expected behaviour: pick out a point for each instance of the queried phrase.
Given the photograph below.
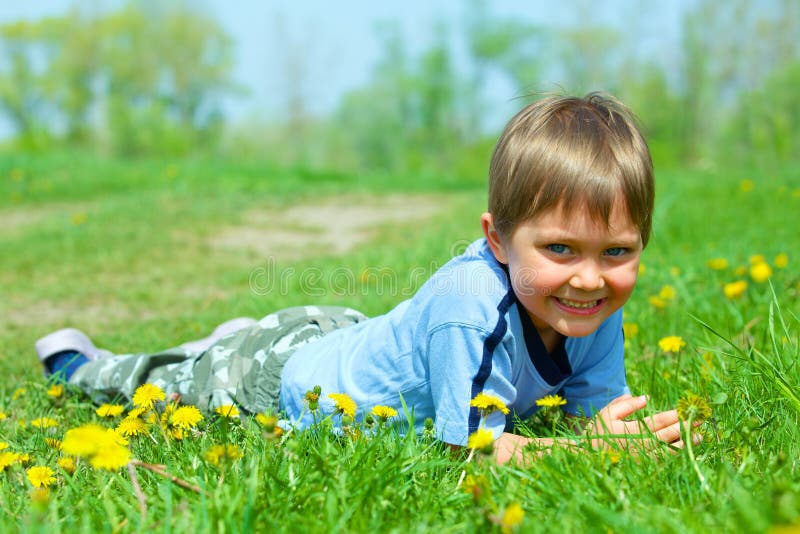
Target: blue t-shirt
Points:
(462, 333)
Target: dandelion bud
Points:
(693, 407)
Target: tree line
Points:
(147, 78)
(150, 78)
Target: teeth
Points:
(578, 304)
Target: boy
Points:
(532, 309)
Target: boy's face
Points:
(568, 271)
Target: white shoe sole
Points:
(68, 339)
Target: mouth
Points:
(579, 307)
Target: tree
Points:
(157, 70)
(22, 93)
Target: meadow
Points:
(145, 254)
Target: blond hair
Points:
(571, 152)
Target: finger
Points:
(621, 398)
(661, 420)
(622, 408)
(669, 434)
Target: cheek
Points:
(624, 280)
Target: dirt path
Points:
(333, 226)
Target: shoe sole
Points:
(68, 339)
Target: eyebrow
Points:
(628, 239)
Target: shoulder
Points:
(470, 289)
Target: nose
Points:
(587, 276)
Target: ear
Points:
(493, 238)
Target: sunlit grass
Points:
(118, 250)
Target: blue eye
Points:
(616, 251)
(558, 249)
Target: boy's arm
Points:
(607, 427)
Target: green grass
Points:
(124, 251)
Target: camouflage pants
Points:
(243, 368)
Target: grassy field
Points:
(143, 255)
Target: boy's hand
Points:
(609, 425)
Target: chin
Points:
(579, 330)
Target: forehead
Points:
(578, 219)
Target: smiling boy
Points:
(534, 308)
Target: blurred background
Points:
(395, 87)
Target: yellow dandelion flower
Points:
(475, 486)
(40, 497)
(78, 218)
(116, 437)
(3, 445)
(671, 343)
(630, 330)
(735, 289)
(109, 410)
(55, 390)
(746, 185)
(717, 264)
(175, 432)
(18, 393)
(7, 458)
(44, 422)
(384, 412)
(760, 272)
(67, 463)
(186, 417)
(110, 457)
(693, 407)
(612, 455)
(781, 260)
(24, 458)
(481, 440)
(267, 421)
(667, 293)
(132, 426)
(657, 302)
(228, 410)
(344, 404)
(488, 404)
(756, 258)
(138, 412)
(40, 476)
(512, 517)
(707, 367)
(3, 415)
(551, 401)
(53, 443)
(103, 447)
(147, 395)
(228, 452)
(83, 440)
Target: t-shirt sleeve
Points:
(464, 360)
(600, 378)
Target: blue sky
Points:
(337, 40)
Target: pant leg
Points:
(242, 368)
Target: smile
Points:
(581, 307)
